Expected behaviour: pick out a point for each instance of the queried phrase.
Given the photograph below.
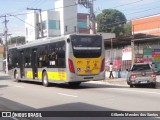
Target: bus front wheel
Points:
(45, 79)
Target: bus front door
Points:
(34, 63)
(22, 71)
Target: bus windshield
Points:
(86, 46)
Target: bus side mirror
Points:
(68, 40)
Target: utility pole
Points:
(40, 16)
(6, 45)
(111, 54)
(92, 19)
(132, 46)
(89, 4)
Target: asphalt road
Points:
(30, 96)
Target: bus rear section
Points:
(86, 58)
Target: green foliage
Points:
(128, 29)
(111, 20)
(17, 40)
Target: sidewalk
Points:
(3, 74)
(120, 81)
(115, 81)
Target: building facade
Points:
(147, 26)
(147, 40)
(61, 21)
(68, 16)
(82, 22)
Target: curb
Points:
(107, 82)
(3, 74)
(120, 83)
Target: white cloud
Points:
(16, 30)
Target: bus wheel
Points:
(74, 84)
(45, 79)
(131, 86)
(16, 76)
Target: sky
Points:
(132, 9)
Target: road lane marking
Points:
(137, 91)
(14, 118)
(19, 86)
(67, 95)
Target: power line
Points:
(22, 20)
(69, 6)
(34, 2)
(24, 8)
(76, 4)
(122, 22)
(128, 4)
(38, 3)
(72, 18)
(144, 16)
(43, 10)
(115, 23)
(131, 4)
(8, 15)
(142, 11)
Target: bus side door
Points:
(34, 63)
(22, 69)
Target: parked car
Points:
(141, 73)
(157, 72)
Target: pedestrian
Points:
(111, 71)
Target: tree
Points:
(128, 29)
(111, 20)
(17, 40)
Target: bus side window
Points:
(52, 55)
(42, 56)
(57, 54)
(61, 54)
(9, 60)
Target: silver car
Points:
(141, 73)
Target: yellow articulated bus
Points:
(72, 59)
